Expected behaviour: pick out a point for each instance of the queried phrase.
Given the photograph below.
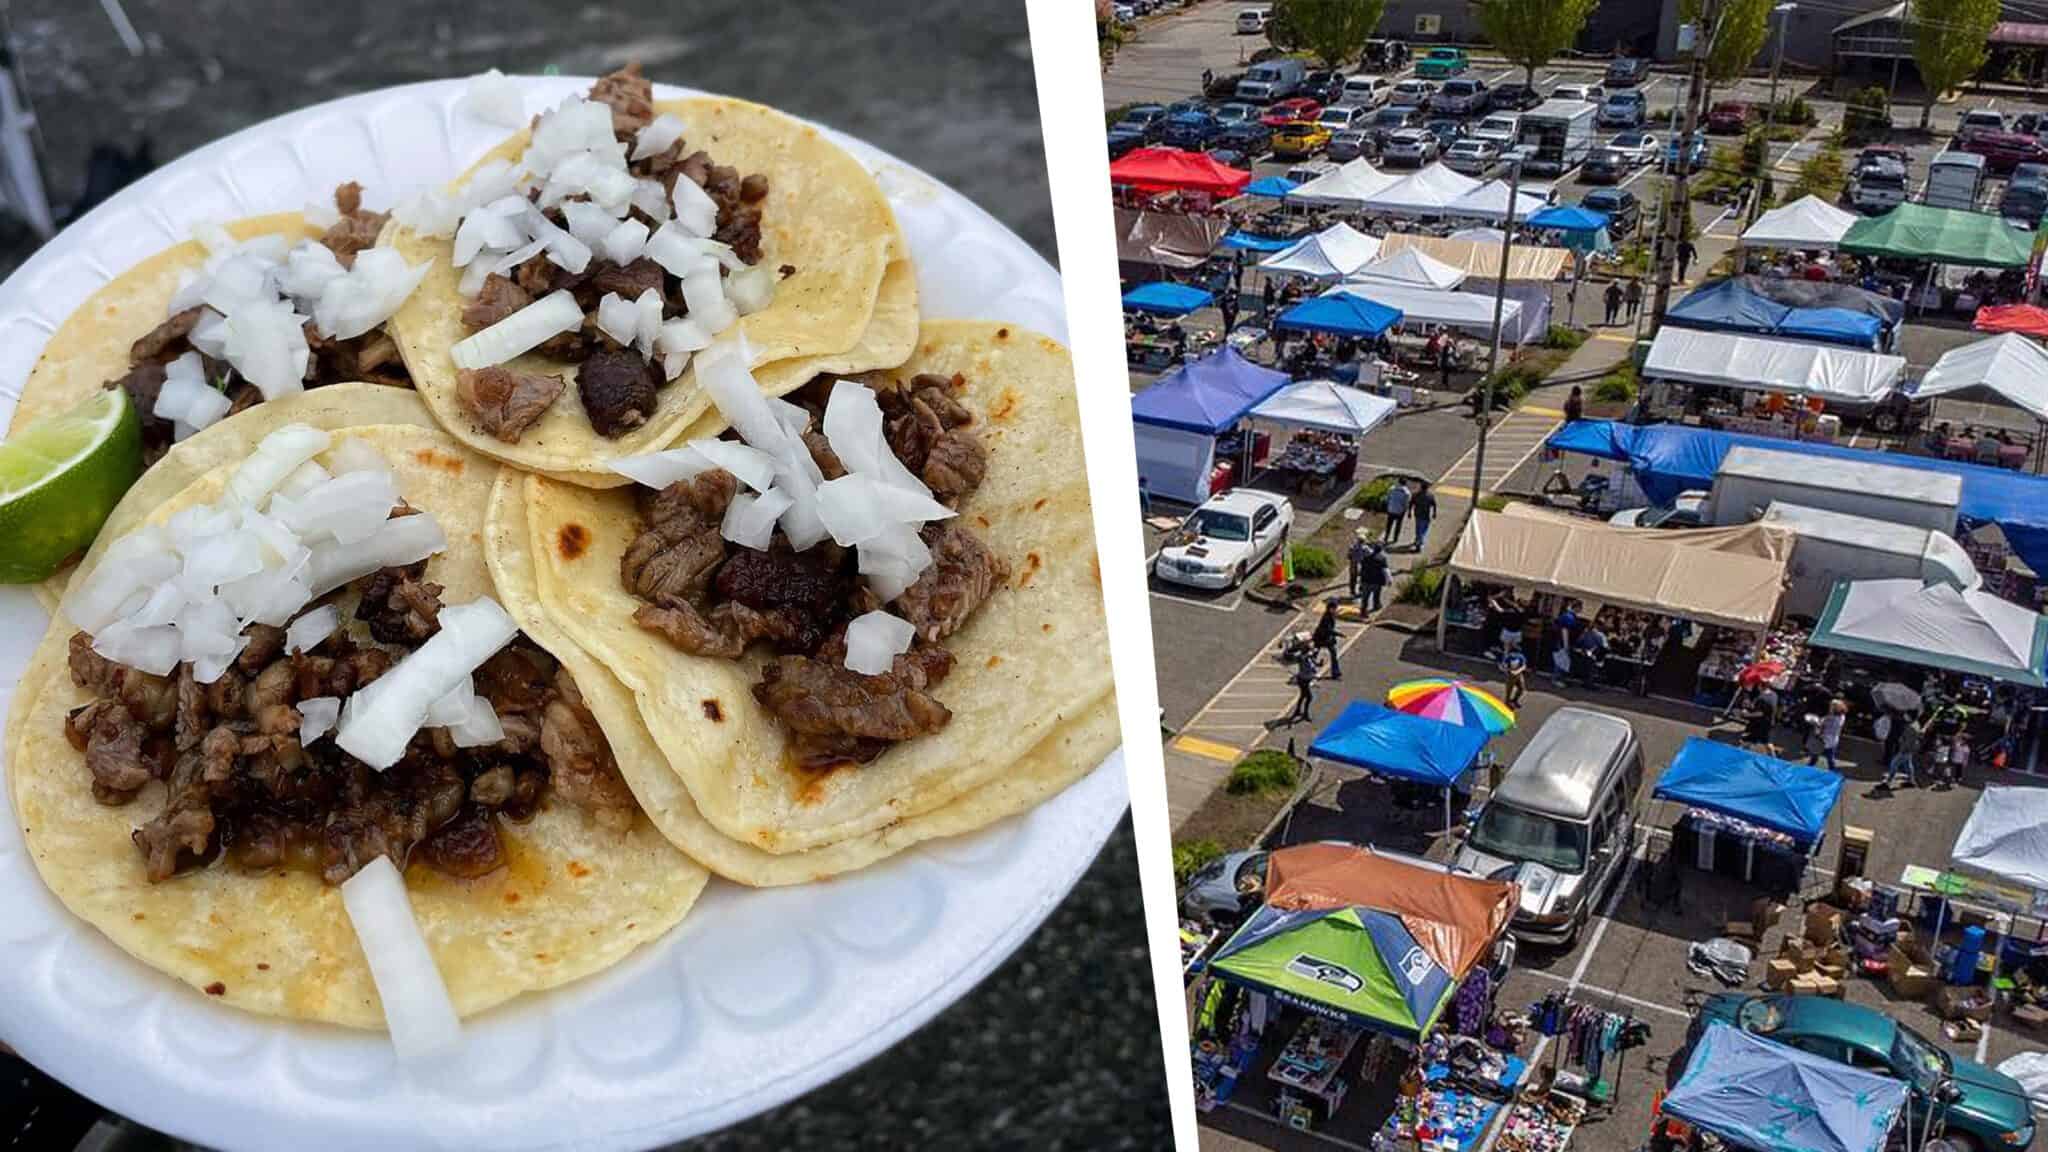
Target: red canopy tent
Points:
(2022, 318)
(1167, 169)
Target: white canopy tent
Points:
(1835, 546)
(1479, 235)
(2006, 837)
(1935, 626)
(2008, 364)
(1326, 405)
(1409, 268)
(1333, 253)
(1808, 222)
(1465, 311)
(1348, 186)
(1489, 201)
(1728, 360)
(1428, 191)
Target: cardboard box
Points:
(1909, 969)
(1832, 971)
(1951, 1002)
(1823, 924)
(1799, 953)
(1815, 984)
(1779, 973)
(2031, 1015)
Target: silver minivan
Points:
(1562, 823)
(1273, 80)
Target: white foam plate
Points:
(757, 997)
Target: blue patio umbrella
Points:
(1341, 314)
(1272, 187)
(1166, 298)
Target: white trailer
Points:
(1751, 479)
(1834, 546)
(1559, 135)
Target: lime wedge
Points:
(60, 477)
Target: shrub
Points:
(1424, 586)
(1311, 562)
(1188, 858)
(1821, 176)
(1754, 152)
(1264, 772)
(1560, 336)
(1618, 386)
(1373, 497)
(1867, 116)
(1511, 384)
(1492, 502)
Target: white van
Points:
(1367, 91)
(1954, 180)
(1253, 21)
(1273, 80)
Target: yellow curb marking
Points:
(1534, 410)
(1195, 745)
(1457, 490)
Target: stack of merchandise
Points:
(1540, 1123)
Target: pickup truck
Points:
(1441, 63)
(1463, 96)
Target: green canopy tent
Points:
(1350, 964)
(1941, 235)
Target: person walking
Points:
(1423, 504)
(1575, 404)
(1374, 580)
(1446, 355)
(1686, 255)
(1325, 637)
(1227, 301)
(1266, 290)
(1514, 671)
(1397, 511)
(1762, 725)
(1830, 734)
(1904, 741)
(1633, 298)
(1357, 555)
(1613, 301)
(1304, 681)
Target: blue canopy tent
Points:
(1793, 799)
(1252, 242)
(1569, 218)
(1178, 419)
(1342, 314)
(1667, 459)
(1389, 743)
(1833, 326)
(1272, 187)
(1166, 298)
(1762, 1095)
(1736, 305)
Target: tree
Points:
(1334, 31)
(1740, 31)
(1950, 41)
(1530, 32)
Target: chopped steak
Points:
(112, 741)
(505, 401)
(834, 710)
(963, 573)
(631, 97)
(618, 389)
(823, 456)
(922, 667)
(193, 717)
(516, 679)
(400, 607)
(356, 230)
(724, 631)
(142, 383)
(955, 466)
(266, 643)
(936, 393)
(671, 562)
(90, 670)
(167, 341)
(466, 846)
(150, 699)
(627, 280)
(498, 298)
(580, 763)
(803, 590)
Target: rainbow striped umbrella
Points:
(1453, 702)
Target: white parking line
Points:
(1229, 604)
(1611, 994)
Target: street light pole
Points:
(1678, 203)
(1500, 296)
(1756, 199)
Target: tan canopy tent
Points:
(1455, 918)
(1167, 239)
(1482, 261)
(1660, 572)
(1751, 539)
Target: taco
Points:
(818, 658)
(580, 265)
(1069, 753)
(201, 807)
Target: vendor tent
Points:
(1489, 201)
(1832, 326)
(1427, 191)
(1355, 965)
(1271, 187)
(1455, 917)
(1798, 293)
(1942, 235)
(1170, 169)
(1148, 239)
(2006, 837)
(1936, 626)
(1410, 269)
(2011, 366)
(1734, 361)
(1738, 305)
(1481, 260)
(1389, 743)
(1789, 798)
(1340, 314)
(1166, 298)
(2027, 319)
(1752, 538)
(1253, 242)
(1806, 223)
(1466, 311)
(1590, 560)
(1569, 218)
(1178, 419)
(1486, 235)
(1347, 186)
(1322, 404)
(1832, 546)
(1768, 1097)
(1335, 252)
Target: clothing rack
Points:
(1593, 1038)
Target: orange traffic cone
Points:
(1279, 576)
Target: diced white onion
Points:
(317, 715)
(751, 466)
(874, 640)
(368, 293)
(651, 198)
(385, 715)
(521, 332)
(306, 633)
(161, 608)
(276, 456)
(696, 211)
(308, 268)
(266, 342)
(191, 292)
(494, 98)
(588, 221)
(186, 397)
(563, 250)
(672, 248)
(659, 135)
(661, 469)
(751, 289)
(304, 479)
(750, 519)
(151, 650)
(683, 334)
(401, 540)
(355, 454)
(485, 228)
(417, 1010)
(136, 562)
(704, 293)
(648, 328)
(851, 509)
(623, 244)
(618, 318)
(453, 706)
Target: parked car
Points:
(2003, 151)
(1241, 144)
(1695, 152)
(1223, 85)
(1606, 165)
(1290, 110)
(1299, 140)
(1627, 72)
(1191, 105)
(1640, 147)
(1190, 130)
(1413, 93)
(1463, 96)
(1325, 85)
(1503, 128)
(1516, 97)
(1122, 13)
(1981, 120)
(2024, 204)
(1148, 121)
(1344, 117)
(1892, 152)
(1729, 118)
(1390, 120)
(1351, 144)
(1384, 55)
(1236, 112)
(1411, 146)
(1225, 539)
(1442, 63)
(2032, 172)
(1624, 211)
(1253, 21)
(1623, 110)
(1472, 156)
(1225, 890)
(1689, 510)
(1973, 1101)
(1590, 93)
(1123, 140)
(1446, 131)
(1367, 90)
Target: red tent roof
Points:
(2022, 318)
(1166, 169)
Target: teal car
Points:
(1441, 63)
(1980, 1105)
